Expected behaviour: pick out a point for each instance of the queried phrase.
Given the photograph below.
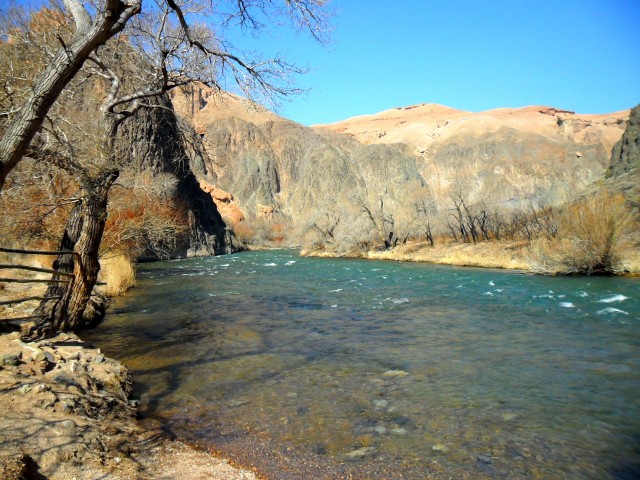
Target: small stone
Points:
(438, 447)
(42, 388)
(99, 359)
(380, 404)
(49, 400)
(10, 360)
(508, 416)
(38, 355)
(360, 453)
(67, 426)
(75, 389)
(400, 432)
(380, 430)
(74, 366)
(26, 388)
(395, 373)
(483, 464)
(319, 449)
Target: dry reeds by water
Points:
(118, 272)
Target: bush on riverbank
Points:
(593, 235)
(118, 272)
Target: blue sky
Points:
(468, 54)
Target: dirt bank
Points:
(507, 255)
(65, 413)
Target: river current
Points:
(365, 369)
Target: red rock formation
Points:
(228, 209)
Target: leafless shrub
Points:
(590, 234)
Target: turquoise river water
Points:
(319, 368)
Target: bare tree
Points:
(380, 218)
(90, 33)
(425, 209)
(160, 52)
(180, 35)
(324, 224)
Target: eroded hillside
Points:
(384, 178)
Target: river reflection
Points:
(387, 370)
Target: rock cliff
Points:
(504, 159)
(160, 144)
(623, 173)
(625, 157)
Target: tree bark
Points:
(82, 235)
(65, 64)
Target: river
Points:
(333, 368)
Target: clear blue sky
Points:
(581, 55)
(468, 54)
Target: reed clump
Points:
(118, 272)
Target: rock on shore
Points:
(65, 412)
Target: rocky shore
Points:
(66, 413)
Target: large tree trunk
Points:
(87, 266)
(62, 68)
(83, 235)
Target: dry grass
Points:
(596, 235)
(118, 272)
(507, 255)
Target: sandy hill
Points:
(424, 125)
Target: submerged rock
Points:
(395, 374)
(361, 452)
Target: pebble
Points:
(360, 453)
(400, 432)
(508, 416)
(483, 463)
(395, 373)
(380, 404)
(438, 447)
(38, 354)
(380, 430)
(25, 389)
(67, 426)
(10, 360)
(49, 401)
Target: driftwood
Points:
(35, 252)
(36, 269)
(20, 319)
(31, 280)
(28, 299)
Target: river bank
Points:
(509, 256)
(521, 255)
(66, 413)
